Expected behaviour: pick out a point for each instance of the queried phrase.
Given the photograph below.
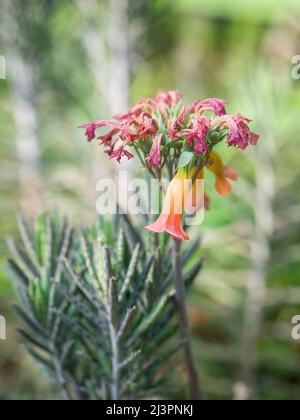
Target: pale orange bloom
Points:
(223, 174)
(180, 196)
(186, 194)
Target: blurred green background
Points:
(72, 61)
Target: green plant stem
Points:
(194, 382)
(147, 167)
(156, 239)
(115, 365)
(112, 325)
(60, 375)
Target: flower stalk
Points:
(194, 382)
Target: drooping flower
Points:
(119, 131)
(132, 113)
(223, 174)
(185, 193)
(92, 127)
(198, 142)
(108, 137)
(239, 134)
(147, 127)
(154, 159)
(108, 140)
(120, 152)
(190, 197)
(215, 105)
(196, 136)
(184, 113)
(176, 125)
(170, 220)
(170, 98)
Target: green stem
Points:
(143, 162)
(115, 364)
(185, 331)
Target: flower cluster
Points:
(163, 132)
(154, 126)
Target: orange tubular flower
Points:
(178, 199)
(183, 196)
(222, 173)
(170, 220)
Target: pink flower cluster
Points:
(162, 119)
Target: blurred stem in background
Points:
(119, 63)
(261, 197)
(107, 49)
(21, 74)
(108, 54)
(260, 252)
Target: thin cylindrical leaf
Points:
(131, 271)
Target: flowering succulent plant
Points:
(168, 136)
(164, 133)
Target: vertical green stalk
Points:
(111, 304)
(185, 331)
(115, 364)
(156, 238)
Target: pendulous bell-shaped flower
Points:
(183, 194)
(223, 174)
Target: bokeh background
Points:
(72, 61)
